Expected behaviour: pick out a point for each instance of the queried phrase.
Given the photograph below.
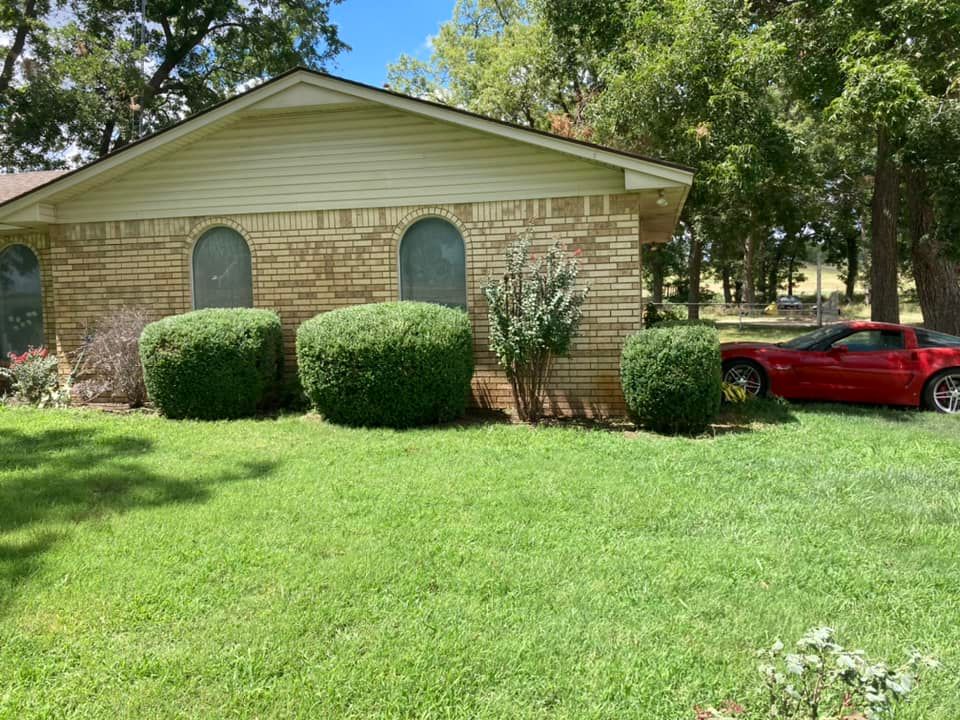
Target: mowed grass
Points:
(292, 569)
(757, 333)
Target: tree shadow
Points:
(889, 413)
(63, 476)
(751, 416)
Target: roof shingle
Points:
(15, 184)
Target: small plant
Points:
(734, 394)
(535, 311)
(33, 378)
(824, 681)
(112, 358)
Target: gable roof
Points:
(33, 202)
(15, 184)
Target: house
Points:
(311, 192)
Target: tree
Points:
(885, 71)
(692, 81)
(535, 312)
(932, 174)
(96, 78)
(489, 58)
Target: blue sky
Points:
(379, 31)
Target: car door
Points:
(867, 366)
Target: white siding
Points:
(365, 156)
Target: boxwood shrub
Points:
(213, 364)
(672, 377)
(388, 364)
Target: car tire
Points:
(942, 392)
(748, 375)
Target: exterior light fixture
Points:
(661, 200)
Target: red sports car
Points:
(860, 362)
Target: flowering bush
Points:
(33, 378)
(535, 312)
(823, 681)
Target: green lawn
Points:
(291, 569)
(730, 332)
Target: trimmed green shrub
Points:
(213, 364)
(389, 364)
(672, 377)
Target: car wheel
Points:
(746, 374)
(943, 392)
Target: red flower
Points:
(578, 252)
(31, 353)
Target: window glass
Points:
(222, 277)
(819, 338)
(929, 338)
(433, 264)
(872, 340)
(21, 303)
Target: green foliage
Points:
(535, 311)
(734, 394)
(388, 364)
(656, 314)
(89, 81)
(822, 680)
(671, 378)
(33, 378)
(213, 364)
(491, 57)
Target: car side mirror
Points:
(839, 349)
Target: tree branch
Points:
(19, 41)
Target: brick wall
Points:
(309, 262)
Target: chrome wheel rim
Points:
(946, 394)
(745, 376)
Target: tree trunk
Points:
(656, 258)
(936, 276)
(19, 41)
(696, 259)
(727, 291)
(790, 265)
(106, 137)
(749, 256)
(884, 299)
(853, 263)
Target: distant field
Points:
(831, 281)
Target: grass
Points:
(293, 569)
(730, 332)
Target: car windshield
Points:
(811, 339)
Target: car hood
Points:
(725, 347)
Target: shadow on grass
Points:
(751, 416)
(76, 475)
(888, 413)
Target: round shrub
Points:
(213, 364)
(672, 377)
(389, 364)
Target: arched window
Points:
(433, 265)
(21, 303)
(222, 277)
